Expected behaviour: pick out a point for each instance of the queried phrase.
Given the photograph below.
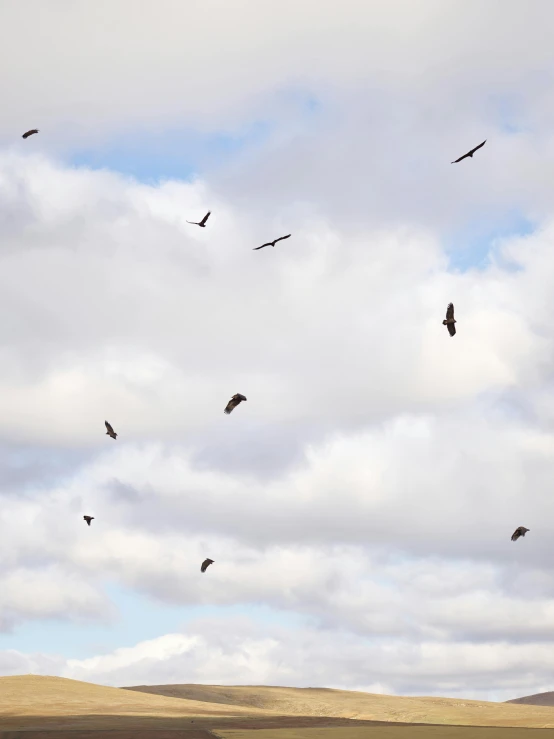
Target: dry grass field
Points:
(34, 707)
(394, 732)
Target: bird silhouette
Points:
(88, 519)
(272, 243)
(470, 153)
(449, 321)
(235, 400)
(205, 564)
(520, 531)
(201, 223)
(110, 431)
(29, 133)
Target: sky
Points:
(359, 506)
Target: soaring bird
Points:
(29, 133)
(449, 321)
(110, 431)
(470, 153)
(235, 400)
(205, 564)
(272, 243)
(201, 223)
(88, 519)
(520, 531)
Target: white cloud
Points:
(243, 652)
(391, 513)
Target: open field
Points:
(37, 707)
(394, 732)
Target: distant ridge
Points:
(354, 705)
(538, 699)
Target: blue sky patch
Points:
(472, 246)
(139, 618)
(172, 154)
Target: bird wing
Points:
(205, 564)
(269, 243)
(203, 221)
(230, 405)
(282, 238)
(109, 427)
(30, 133)
(451, 328)
(194, 223)
(478, 147)
(460, 158)
(240, 397)
(450, 311)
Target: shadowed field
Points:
(34, 707)
(394, 732)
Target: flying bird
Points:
(201, 223)
(520, 531)
(110, 431)
(235, 400)
(29, 133)
(88, 519)
(470, 153)
(272, 243)
(449, 321)
(205, 564)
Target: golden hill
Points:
(325, 702)
(34, 700)
(49, 704)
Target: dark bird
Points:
(88, 519)
(235, 400)
(449, 321)
(470, 153)
(110, 431)
(29, 133)
(205, 564)
(520, 531)
(201, 223)
(272, 243)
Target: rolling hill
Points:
(326, 702)
(538, 699)
(45, 706)
(34, 701)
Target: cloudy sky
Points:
(359, 505)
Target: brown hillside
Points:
(539, 699)
(359, 706)
(29, 699)
(32, 702)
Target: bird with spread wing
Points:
(449, 321)
(272, 243)
(201, 223)
(88, 519)
(470, 153)
(205, 564)
(29, 133)
(520, 531)
(235, 400)
(110, 431)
